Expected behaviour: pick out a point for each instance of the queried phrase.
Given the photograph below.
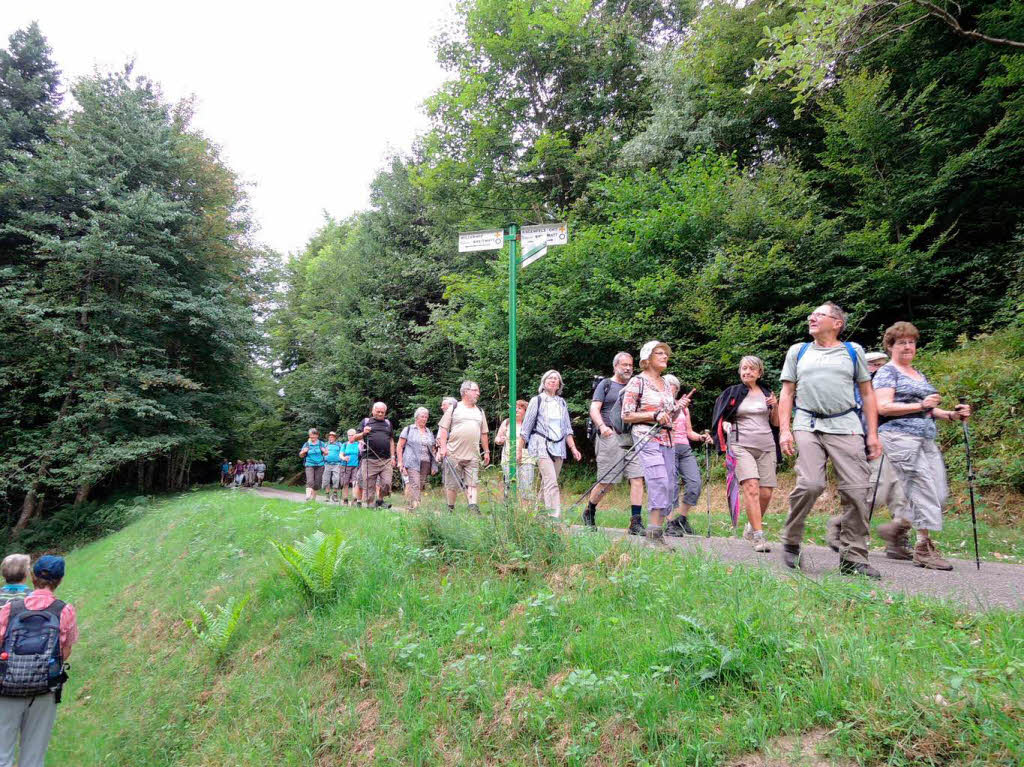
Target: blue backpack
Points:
(30, 659)
(857, 408)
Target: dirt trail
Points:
(996, 585)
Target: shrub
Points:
(314, 564)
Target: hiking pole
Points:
(970, 484)
(874, 495)
(707, 483)
(616, 467)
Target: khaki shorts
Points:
(461, 473)
(610, 467)
(376, 471)
(752, 463)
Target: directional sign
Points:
(493, 239)
(544, 234)
(533, 256)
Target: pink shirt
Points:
(40, 599)
(681, 427)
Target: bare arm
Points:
(786, 417)
(867, 394)
(401, 449)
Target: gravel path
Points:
(996, 585)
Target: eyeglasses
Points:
(820, 316)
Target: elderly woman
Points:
(909, 404)
(546, 432)
(14, 568)
(749, 413)
(686, 465)
(312, 452)
(650, 409)
(526, 465)
(416, 456)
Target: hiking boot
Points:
(381, 505)
(748, 532)
(451, 508)
(832, 528)
(674, 528)
(858, 568)
(636, 526)
(897, 545)
(760, 544)
(791, 556)
(474, 508)
(589, 518)
(656, 535)
(927, 555)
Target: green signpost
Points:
(537, 239)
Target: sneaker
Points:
(896, 542)
(858, 568)
(760, 544)
(748, 532)
(832, 528)
(926, 555)
(791, 556)
(589, 518)
(636, 526)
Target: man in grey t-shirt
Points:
(611, 448)
(821, 382)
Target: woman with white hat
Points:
(648, 405)
(547, 432)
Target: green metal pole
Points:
(513, 267)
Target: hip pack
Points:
(30, 659)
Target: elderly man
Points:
(462, 437)
(378, 435)
(821, 382)
(44, 629)
(611, 448)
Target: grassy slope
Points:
(449, 659)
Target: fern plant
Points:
(314, 564)
(215, 629)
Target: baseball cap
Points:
(50, 567)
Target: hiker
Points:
(14, 569)
(239, 473)
(614, 460)
(313, 452)
(650, 409)
(226, 472)
(348, 478)
(378, 435)
(416, 456)
(331, 483)
(687, 470)
(546, 433)
(525, 464)
(826, 382)
(745, 425)
(33, 667)
(261, 472)
(250, 473)
(462, 443)
(909, 405)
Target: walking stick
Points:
(970, 484)
(874, 495)
(707, 483)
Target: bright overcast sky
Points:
(305, 98)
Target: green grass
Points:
(468, 643)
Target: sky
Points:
(305, 99)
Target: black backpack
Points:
(591, 426)
(30, 658)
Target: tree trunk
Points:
(82, 494)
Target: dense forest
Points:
(722, 171)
